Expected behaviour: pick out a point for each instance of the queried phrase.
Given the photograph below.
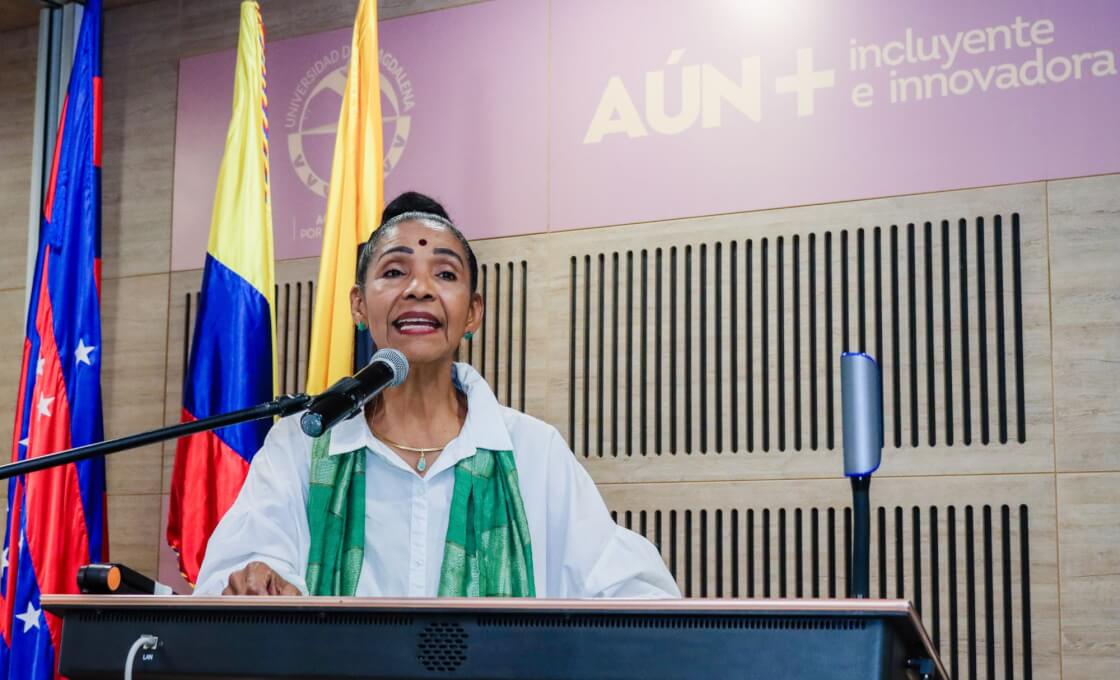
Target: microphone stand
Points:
(860, 575)
(284, 405)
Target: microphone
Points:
(344, 399)
(861, 394)
(861, 399)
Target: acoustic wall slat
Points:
(754, 385)
(987, 328)
(784, 313)
(950, 300)
(931, 361)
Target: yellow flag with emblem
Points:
(353, 205)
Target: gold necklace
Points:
(421, 464)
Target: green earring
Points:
(362, 326)
(468, 336)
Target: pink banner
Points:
(731, 105)
(526, 116)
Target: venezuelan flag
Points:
(353, 205)
(232, 364)
(57, 518)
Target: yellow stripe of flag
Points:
(353, 206)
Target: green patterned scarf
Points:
(487, 554)
(336, 514)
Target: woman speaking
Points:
(438, 489)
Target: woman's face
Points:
(417, 293)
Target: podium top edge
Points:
(698, 605)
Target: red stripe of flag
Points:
(201, 457)
(60, 546)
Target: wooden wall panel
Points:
(134, 521)
(888, 277)
(134, 341)
(1085, 237)
(140, 67)
(11, 355)
(977, 555)
(1089, 542)
(18, 53)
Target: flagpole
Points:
(281, 406)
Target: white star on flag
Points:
(82, 353)
(45, 405)
(39, 366)
(30, 617)
(4, 565)
(24, 442)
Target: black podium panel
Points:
(493, 639)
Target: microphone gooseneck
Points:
(345, 399)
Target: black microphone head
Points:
(312, 424)
(396, 361)
(345, 398)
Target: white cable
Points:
(142, 642)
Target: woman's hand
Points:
(257, 578)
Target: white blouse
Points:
(578, 551)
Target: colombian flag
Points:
(56, 517)
(353, 206)
(232, 364)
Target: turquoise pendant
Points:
(421, 464)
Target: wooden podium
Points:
(285, 637)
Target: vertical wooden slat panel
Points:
(834, 339)
(647, 357)
(970, 333)
(920, 355)
(802, 414)
(768, 345)
(754, 385)
(951, 341)
(722, 370)
(985, 331)
(704, 421)
(611, 361)
(785, 376)
(935, 346)
(897, 395)
(660, 351)
(599, 362)
(678, 327)
(1011, 331)
(686, 387)
(629, 358)
(816, 296)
